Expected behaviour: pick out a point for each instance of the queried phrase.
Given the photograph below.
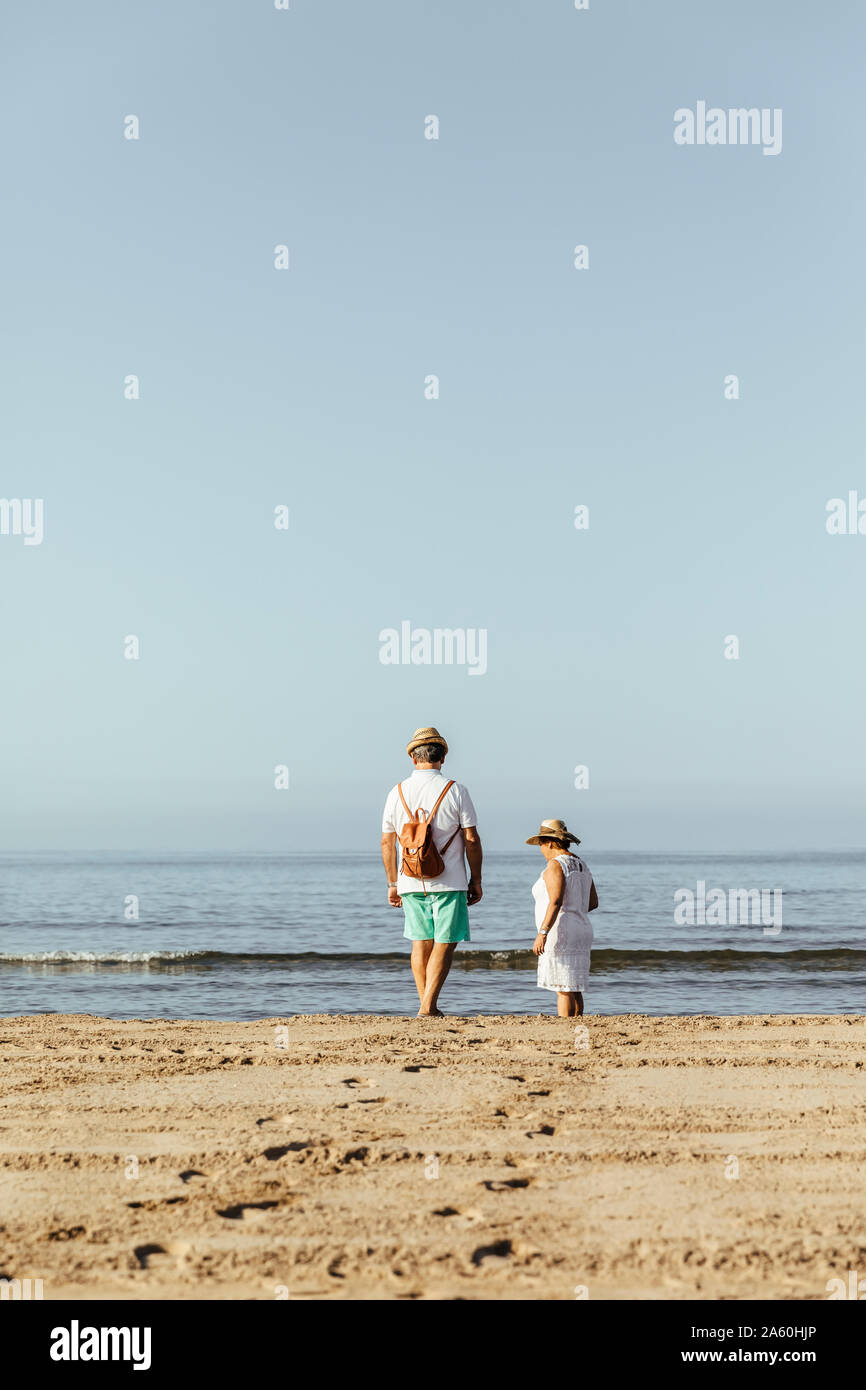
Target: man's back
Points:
(421, 788)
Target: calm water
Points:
(251, 936)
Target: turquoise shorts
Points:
(442, 917)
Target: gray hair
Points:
(428, 753)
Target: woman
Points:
(564, 896)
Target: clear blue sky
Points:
(305, 387)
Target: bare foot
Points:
(434, 1013)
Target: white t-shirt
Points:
(422, 788)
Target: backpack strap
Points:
(403, 799)
(428, 814)
(458, 831)
(443, 793)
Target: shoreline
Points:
(473, 1156)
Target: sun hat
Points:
(420, 736)
(553, 830)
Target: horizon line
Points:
(330, 853)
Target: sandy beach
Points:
(480, 1158)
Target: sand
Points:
(480, 1158)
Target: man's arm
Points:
(474, 855)
(389, 859)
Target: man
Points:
(436, 920)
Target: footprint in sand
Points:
(470, 1217)
(500, 1250)
(171, 1254)
(279, 1150)
(189, 1173)
(542, 1129)
(354, 1156)
(357, 1081)
(239, 1212)
(505, 1183)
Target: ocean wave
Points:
(102, 957)
(603, 960)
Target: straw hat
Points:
(420, 736)
(553, 830)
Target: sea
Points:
(248, 936)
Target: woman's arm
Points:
(554, 882)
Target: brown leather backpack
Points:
(420, 857)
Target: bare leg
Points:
(419, 958)
(438, 966)
(569, 1004)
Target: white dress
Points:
(564, 963)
